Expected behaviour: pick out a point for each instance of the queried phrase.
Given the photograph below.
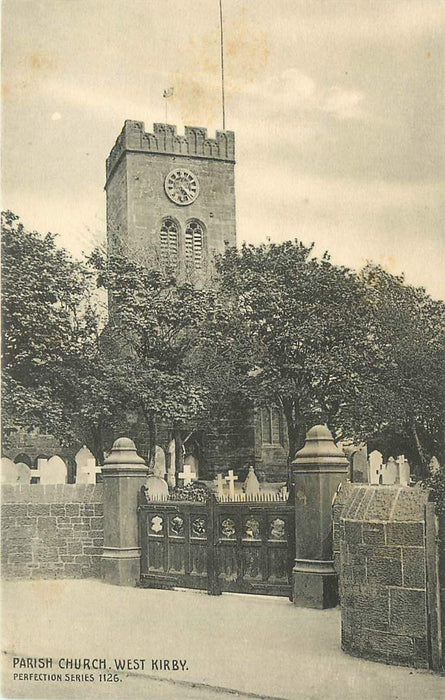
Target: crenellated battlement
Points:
(164, 139)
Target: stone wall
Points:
(441, 546)
(52, 531)
(382, 552)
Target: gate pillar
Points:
(318, 468)
(124, 472)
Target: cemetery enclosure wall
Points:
(52, 530)
(442, 580)
(387, 557)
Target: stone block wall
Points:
(52, 531)
(441, 547)
(382, 553)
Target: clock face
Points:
(181, 186)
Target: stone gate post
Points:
(124, 472)
(318, 469)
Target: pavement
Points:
(216, 647)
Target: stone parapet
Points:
(164, 140)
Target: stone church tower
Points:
(171, 198)
(171, 201)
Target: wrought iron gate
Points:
(243, 547)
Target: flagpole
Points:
(222, 65)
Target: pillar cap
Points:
(124, 454)
(320, 449)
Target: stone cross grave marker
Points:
(86, 466)
(187, 475)
(231, 478)
(220, 484)
(404, 470)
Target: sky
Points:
(338, 108)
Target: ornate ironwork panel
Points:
(244, 547)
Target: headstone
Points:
(360, 466)
(251, 484)
(156, 489)
(187, 476)
(171, 474)
(375, 467)
(159, 466)
(404, 471)
(9, 472)
(193, 464)
(53, 470)
(220, 484)
(284, 491)
(23, 473)
(86, 466)
(434, 466)
(390, 472)
(231, 478)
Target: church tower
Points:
(171, 198)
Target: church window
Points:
(271, 426)
(194, 241)
(169, 241)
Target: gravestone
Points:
(434, 466)
(53, 470)
(360, 466)
(171, 473)
(404, 471)
(23, 473)
(86, 466)
(390, 472)
(156, 489)
(187, 476)
(375, 467)
(251, 484)
(159, 466)
(220, 484)
(231, 478)
(9, 472)
(192, 462)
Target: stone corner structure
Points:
(124, 472)
(318, 469)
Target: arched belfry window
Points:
(194, 243)
(169, 241)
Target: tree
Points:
(48, 323)
(298, 331)
(410, 400)
(154, 328)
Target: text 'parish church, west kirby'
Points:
(171, 201)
